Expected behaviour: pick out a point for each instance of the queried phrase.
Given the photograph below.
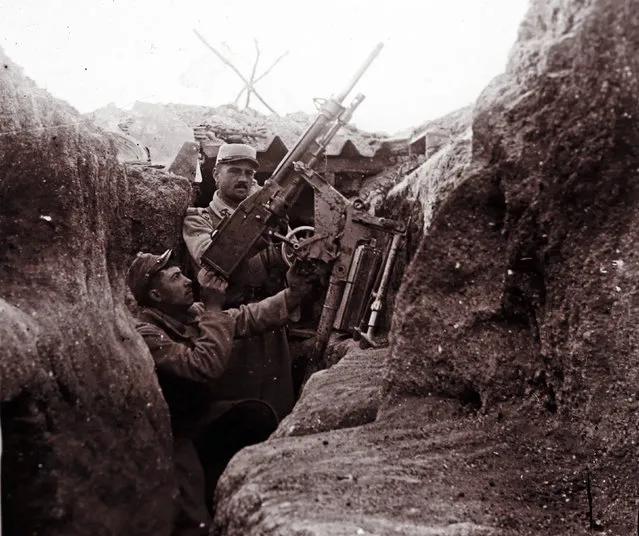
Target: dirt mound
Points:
(152, 126)
(532, 254)
(453, 124)
(232, 121)
(157, 204)
(164, 128)
(524, 290)
(85, 430)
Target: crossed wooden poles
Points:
(249, 84)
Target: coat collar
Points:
(221, 209)
(174, 327)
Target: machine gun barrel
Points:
(341, 96)
(307, 148)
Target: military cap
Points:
(142, 269)
(234, 152)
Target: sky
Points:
(437, 57)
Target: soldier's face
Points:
(171, 287)
(234, 181)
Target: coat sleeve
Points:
(261, 316)
(209, 357)
(196, 231)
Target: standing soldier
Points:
(261, 365)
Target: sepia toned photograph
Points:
(336, 268)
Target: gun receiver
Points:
(358, 247)
(235, 237)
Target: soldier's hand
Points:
(300, 284)
(213, 289)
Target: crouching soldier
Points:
(191, 345)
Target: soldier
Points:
(191, 346)
(261, 365)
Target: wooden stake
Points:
(249, 87)
(270, 68)
(252, 79)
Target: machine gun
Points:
(350, 242)
(359, 248)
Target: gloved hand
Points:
(213, 289)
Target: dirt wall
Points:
(85, 430)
